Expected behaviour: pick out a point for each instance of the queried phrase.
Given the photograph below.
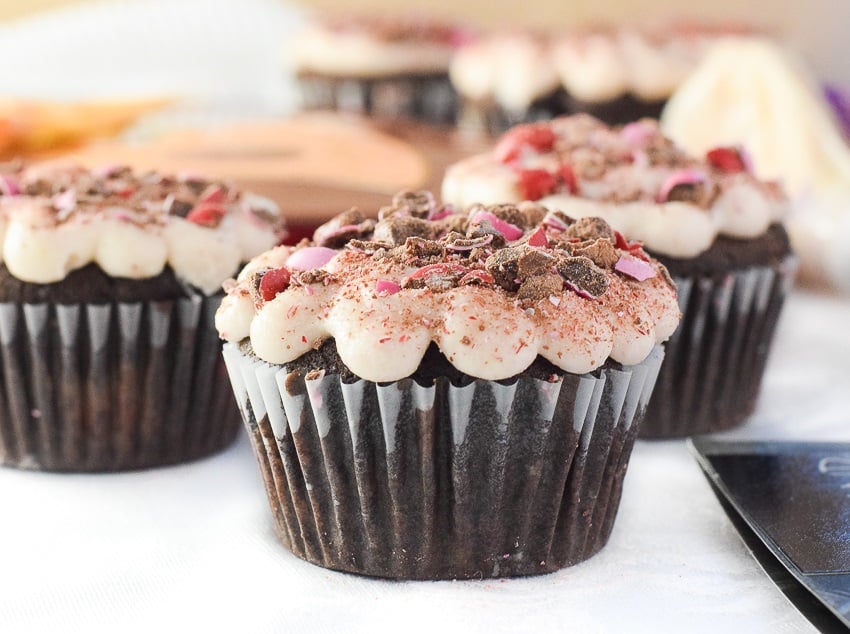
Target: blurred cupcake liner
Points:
(110, 387)
(400, 480)
(715, 360)
(428, 98)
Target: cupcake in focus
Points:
(108, 286)
(439, 396)
(381, 65)
(715, 226)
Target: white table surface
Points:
(192, 548)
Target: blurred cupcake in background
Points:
(712, 223)
(753, 94)
(618, 74)
(381, 65)
(108, 286)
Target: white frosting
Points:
(514, 70)
(592, 67)
(744, 209)
(482, 330)
(37, 246)
(359, 54)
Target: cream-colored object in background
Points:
(750, 92)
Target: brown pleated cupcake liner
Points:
(111, 387)
(405, 481)
(618, 111)
(425, 98)
(715, 360)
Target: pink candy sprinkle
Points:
(385, 288)
(439, 214)
(538, 238)
(66, 200)
(680, 177)
(309, 258)
(634, 267)
(637, 133)
(511, 232)
(9, 186)
(553, 222)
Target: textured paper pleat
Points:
(112, 386)
(427, 98)
(715, 360)
(426, 482)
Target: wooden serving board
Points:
(314, 165)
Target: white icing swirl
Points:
(359, 54)
(483, 331)
(42, 244)
(512, 69)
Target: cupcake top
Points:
(374, 46)
(58, 217)
(632, 176)
(493, 287)
(513, 68)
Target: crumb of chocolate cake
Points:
(540, 286)
(584, 274)
(601, 251)
(590, 228)
(507, 212)
(397, 229)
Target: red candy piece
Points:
(214, 194)
(568, 175)
(273, 282)
(728, 159)
(206, 214)
(538, 238)
(536, 136)
(535, 184)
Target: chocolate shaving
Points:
(601, 251)
(540, 287)
(582, 273)
(416, 247)
(418, 203)
(396, 230)
(313, 277)
(590, 228)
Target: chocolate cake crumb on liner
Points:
(112, 386)
(428, 98)
(442, 481)
(715, 360)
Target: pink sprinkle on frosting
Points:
(680, 177)
(310, 258)
(385, 288)
(511, 232)
(635, 267)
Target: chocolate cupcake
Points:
(108, 286)
(438, 396)
(617, 74)
(709, 221)
(388, 66)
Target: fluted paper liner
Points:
(428, 98)
(407, 481)
(107, 387)
(715, 360)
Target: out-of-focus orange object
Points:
(33, 127)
